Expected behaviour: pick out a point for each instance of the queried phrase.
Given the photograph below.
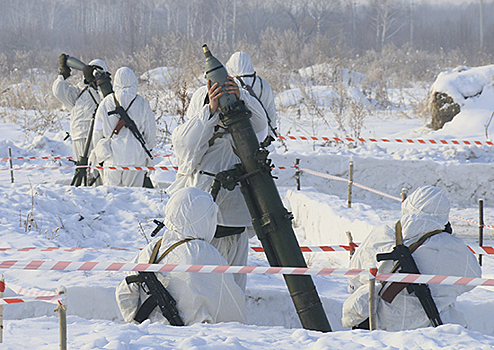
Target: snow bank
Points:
(326, 218)
(332, 73)
(159, 76)
(472, 89)
(84, 334)
(464, 183)
(463, 82)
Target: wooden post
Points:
(11, 166)
(350, 183)
(297, 173)
(372, 298)
(481, 227)
(2, 291)
(403, 194)
(350, 242)
(62, 320)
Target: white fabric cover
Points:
(81, 106)
(123, 149)
(193, 153)
(200, 297)
(99, 63)
(425, 210)
(240, 65)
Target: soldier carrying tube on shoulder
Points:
(82, 101)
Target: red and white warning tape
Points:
(386, 140)
(304, 249)
(39, 157)
(16, 300)
(50, 265)
(472, 222)
(113, 266)
(31, 292)
(63, 157)
(481, 250)
(331, 177)
(58, 249)
(171, 168)
(41, 168)
(353, 246)
(434, 279)
(318, 249)
(142, 168)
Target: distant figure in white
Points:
(190, 220)
(240, 67)
(81, 100)
(116, 145)
(203, 143)
(424, 212)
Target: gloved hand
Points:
(104, 83)
(64, 69)
(89, 77)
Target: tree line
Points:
(280, 35)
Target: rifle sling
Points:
(150, 303)
(152, 259)
(121, 122)
(250, 89)
(395, 287)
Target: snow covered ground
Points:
(41, 210)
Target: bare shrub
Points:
(40, 121)
(183, 102)
(281, 53)
(356, 118)
(339, 105)
(30, 101)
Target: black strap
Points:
(170, 248)
(224, 231)
(151, 303)
(394, 288)
(80, 93)
(91, 94)
(253, 94)
(253, 75)
(118, 103)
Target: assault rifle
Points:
(125, 120)
(158, 296)
(422, 291)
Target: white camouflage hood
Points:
(192, 213)
(239, 64)
(125, 86)
(99, 63)
(425, 210)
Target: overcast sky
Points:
(445, 1)
(453, 1)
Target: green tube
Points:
(271, 221)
